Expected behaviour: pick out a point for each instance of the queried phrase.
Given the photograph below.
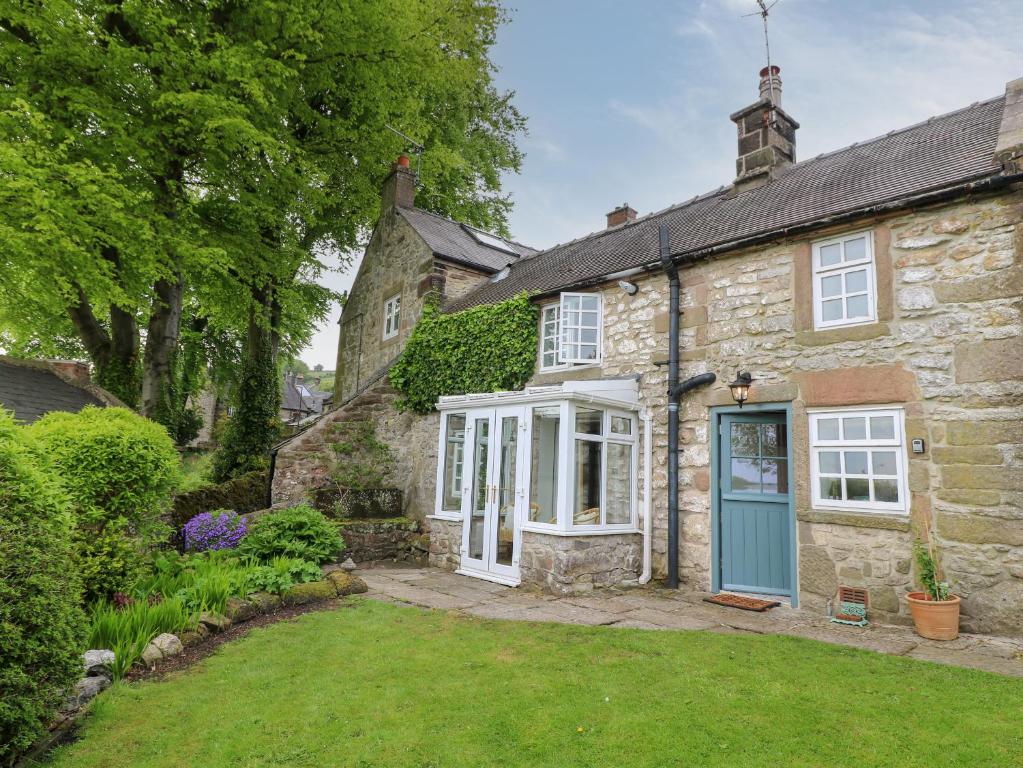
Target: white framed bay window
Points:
(604, 468)
(844, 281)
(858, 460)
(570, 331)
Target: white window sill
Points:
(900, 513)
(833, 326)
(570, 367)
(451, 517)
(580, 531)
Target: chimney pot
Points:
(620, 215)
(400, 185)
(766, 83)
(767, 135)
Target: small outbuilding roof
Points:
(33, 388)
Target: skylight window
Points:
(491, 241)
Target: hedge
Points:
(42, 627)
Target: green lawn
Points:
(379, 685)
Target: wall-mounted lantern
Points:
(740, 387)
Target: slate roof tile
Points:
(938, 153)
(450, 239)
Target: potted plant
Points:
(935, 610)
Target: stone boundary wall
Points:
(306, 463)
(565, 565)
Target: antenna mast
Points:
(414, 146)
(763, 12)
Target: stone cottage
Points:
(867, 303)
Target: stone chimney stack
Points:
(1009, 148)
(767, 135)
(72, 370)
(400, 185)
(621, 215)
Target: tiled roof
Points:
(936, 154)
(32, 392)
(450, 239)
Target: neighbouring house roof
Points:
(33, 388)
(297, 396)
(939, 153)
(463, 243)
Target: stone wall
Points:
(572, 564)
(396, 261)
(947, 348)
(445, 543)
(369, 540)
(307, 461)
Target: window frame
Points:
(392, 316)
(562, 358)
(819, 272)
(544, 309)
(604, 439)
(439, 509)
(897, 443)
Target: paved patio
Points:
(657, 609)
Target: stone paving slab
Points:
(651, 608)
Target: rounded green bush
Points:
(119, 470)
(299, 532)
(42, 628)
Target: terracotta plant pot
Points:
(934, 619)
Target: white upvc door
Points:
(493, 493)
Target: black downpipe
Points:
(675, 392)
(270, 478)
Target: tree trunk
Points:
(161, 342)
(115, 355)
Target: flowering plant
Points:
(219, 529)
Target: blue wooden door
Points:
(755, 511)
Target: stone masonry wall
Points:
(947, 348)
(308, 460)
(396, 261)
(445, 543)
(569, 565)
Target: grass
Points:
(196, 471)
(382, 685)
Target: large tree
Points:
(164, 154)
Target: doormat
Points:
(739, 601)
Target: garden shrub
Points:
(298, 532)
(220, 529)
(119, 470)
(280, 574)
(42, 628)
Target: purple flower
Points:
(220, 529)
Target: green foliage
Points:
(228, 167)
(256, 424)
(927, 573)
(280, 574)
(298, 532)
(127, 630)
(483, 349)
(363, 460)
(196, 472)
(41, 623)
(119, 470)
(108, 559)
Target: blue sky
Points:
(629, 101)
